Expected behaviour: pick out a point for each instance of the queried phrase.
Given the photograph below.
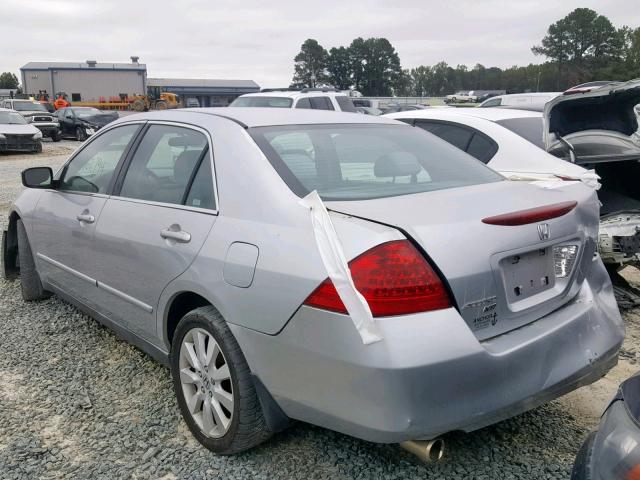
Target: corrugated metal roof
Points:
(83, 66)
(200, 82)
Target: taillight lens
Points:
(393, 277)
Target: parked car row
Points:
(24, 123)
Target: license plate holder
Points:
(527, 274)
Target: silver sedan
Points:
(349, 271)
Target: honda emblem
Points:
(543, 231)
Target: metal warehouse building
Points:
(208, 92)
(85, 82)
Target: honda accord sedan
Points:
(349, 271)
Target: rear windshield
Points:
(359, 161)
(529, 128)
(29, 107)
(274, 102)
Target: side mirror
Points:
(37, 177)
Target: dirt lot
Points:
(77, 402)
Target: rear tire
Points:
(246, 426)
(29, 279)
(161, 105)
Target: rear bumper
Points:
(430, 375)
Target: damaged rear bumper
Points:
(430, 374)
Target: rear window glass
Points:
(274, 102)
(359, 161)
(529, 128)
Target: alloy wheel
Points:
(206, 382)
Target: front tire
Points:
(213, 384)
(81, 134)
(56, 136)
(29, 279)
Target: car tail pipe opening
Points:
(428, 451)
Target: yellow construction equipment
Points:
(155, 100)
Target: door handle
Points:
(86, 218)
(179, 235)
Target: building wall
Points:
(90, 84)
(93, 84)
(35, 80)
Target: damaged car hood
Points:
(599, 126)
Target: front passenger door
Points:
(65, 218)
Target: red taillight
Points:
(532, 215)
(394, 279)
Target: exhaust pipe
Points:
(428, 451)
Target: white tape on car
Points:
(338, 271)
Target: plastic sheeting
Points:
(338, 271)
(589, 177)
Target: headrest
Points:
(397, 164)
(185, 164)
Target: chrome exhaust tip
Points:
(428, 451)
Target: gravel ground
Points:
(77, 402)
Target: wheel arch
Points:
(10, 248)
(179, 304)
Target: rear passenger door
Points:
(151, 229)
(467, 139)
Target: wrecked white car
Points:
(596, 132)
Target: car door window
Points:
(455, 135)
(465, 138)
(494, 102)
(481, 148)
(164, 163)
(201, 192)
(91, 170)
(303, 103)
(321, 103)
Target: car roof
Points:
(264, 117)
(491, 114)
(7, 110)
(295, 94)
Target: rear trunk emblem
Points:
(543, 231)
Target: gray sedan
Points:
(184, 231)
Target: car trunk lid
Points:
(599, 126)
(495, 273)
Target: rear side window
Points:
(346, 105)
(303, 103)
(164, 164)
(321, 103)
(467, 139)
(492, 102)
(529, 128)
(262, 101)
(92, 169)
(455, 135)
(361, 161)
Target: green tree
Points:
(310, 68)
(8, 80)
(421, 81)
(380, 67)
(403, 84)
(339, 68)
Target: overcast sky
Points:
(257, 39)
